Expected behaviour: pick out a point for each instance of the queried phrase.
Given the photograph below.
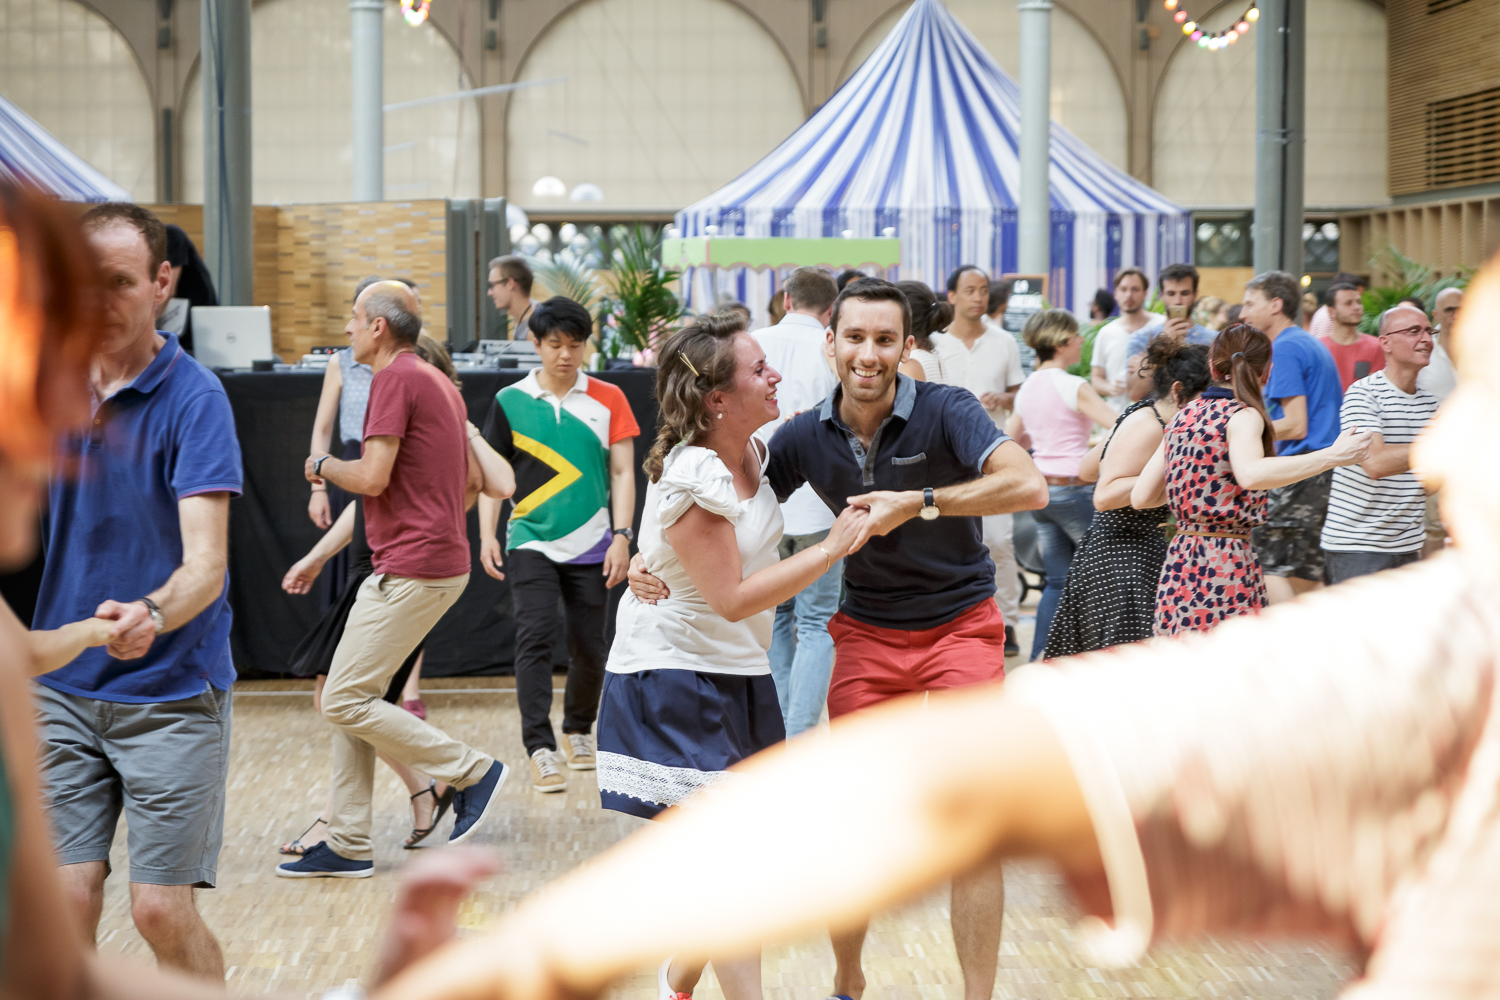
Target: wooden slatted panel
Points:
(1444, 235)
(1440, 53)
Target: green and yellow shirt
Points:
(559, 449)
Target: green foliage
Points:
(638, 304)
(1414, 280)
(567, 275)
(1084, 368)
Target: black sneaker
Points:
(1012, 648)
(320, 861)
(472, 805)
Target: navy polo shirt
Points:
(924, 573)
(113, 532)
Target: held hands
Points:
(299, 579)
(846, 531)
(132, 630)
(1351, 447)
(492, 558)
(647, 589)
(888, 510)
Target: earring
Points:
(721, 414)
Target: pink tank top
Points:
(1048, 405)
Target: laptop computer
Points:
(232, 336)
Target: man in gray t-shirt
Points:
(510, 290)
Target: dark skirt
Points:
(665, 734)
(1110, 596)
(314, 654)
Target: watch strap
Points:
(927, 498)
(318, 465)
(158, 618)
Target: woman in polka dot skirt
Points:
(1216, 460)
(1110, 596)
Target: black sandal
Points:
(441, 804)
(295, 847)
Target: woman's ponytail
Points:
(1241, 356)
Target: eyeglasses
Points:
(499, 284)
(1411, 331)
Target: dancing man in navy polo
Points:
(919, 615)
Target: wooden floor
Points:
(304, 936)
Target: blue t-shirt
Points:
(1142, 338)
(1300, 366)
(924, 573)
(113, 531)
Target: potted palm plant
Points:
(638, 304)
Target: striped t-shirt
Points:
(1378, 515)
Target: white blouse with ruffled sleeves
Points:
(683, 632)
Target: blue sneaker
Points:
(320, 861)
(472, 805)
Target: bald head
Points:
(1445, 309)
(393, 302)
(1401, 317)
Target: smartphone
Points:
(1177, 312)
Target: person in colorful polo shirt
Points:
(571, 440)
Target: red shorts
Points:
(873, 664)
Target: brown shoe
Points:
(578, 750)
(545, 774)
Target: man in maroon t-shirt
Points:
(412, 475)
(1356, 354)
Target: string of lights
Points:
(415, 11)
(1213, 39)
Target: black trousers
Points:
(536, 583)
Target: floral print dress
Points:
(1208, 578)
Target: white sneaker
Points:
(578, 748)
(664, 991)
(545, 774)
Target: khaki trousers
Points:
(390, 616)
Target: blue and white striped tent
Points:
(923, 139)
(29, 154)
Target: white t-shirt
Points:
(1379, 515)
(991, 364)
(795, 347)
(1111, 352)
(1439, 377)
(682, 631)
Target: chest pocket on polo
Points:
(909, 472)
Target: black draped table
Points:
(269, 528)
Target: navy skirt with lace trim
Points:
(665, 734)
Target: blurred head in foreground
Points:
(49, 328)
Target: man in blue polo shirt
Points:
(138, 534)
(1303, 398)
(928, 463)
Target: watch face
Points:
(929, 513)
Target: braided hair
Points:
(690, 364)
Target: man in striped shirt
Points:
(1375, 509)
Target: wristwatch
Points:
(318, 465)
(929, 506)
(157, 618)
(629, 535)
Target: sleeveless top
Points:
(1201, 488)
(1048, 404)
(354, 396)
(682, 631)
(932, 365)
(1147, 520)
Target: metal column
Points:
(1035, 215)
(1280, 75)
(228, 220)
(367, 98)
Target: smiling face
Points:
(133, 294)
(750, 400)
(868, 348)
(1406, 337)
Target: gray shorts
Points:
(164, 763)
(1290, 543)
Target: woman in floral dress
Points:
(1213, 468)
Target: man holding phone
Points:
(1356, 354)
(1177, 286)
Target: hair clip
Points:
(691, 367)
(1236, 355)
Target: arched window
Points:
(1086, 98)
(69, 69)
(664, 101)
(1204, 131)
(300, 99)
